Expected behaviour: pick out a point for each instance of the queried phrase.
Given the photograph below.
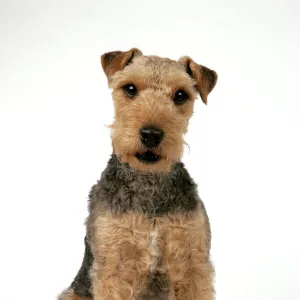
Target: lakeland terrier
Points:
(148, 234)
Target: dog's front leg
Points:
(196, 284)
(121, 256)
(186, 254)
(113, 287)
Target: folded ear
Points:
(205, 78)
(117, 60)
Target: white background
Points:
(244, 146)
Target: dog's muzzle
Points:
(150, 137)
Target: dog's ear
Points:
(205, 78)
(117, 60)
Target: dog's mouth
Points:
(148, 157)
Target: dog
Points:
(148, 234)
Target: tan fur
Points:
(157, 80)
(125, 252)
(122, 255)
(70, 295)
(186, 240)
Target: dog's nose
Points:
(151, 136)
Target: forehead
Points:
(153, 71)
(158, 65)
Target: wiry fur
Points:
(70, 294)
(155, 78)
(148, 234)
(122, 189)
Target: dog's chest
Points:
(145, 227)
(148, 250)
(137, 247)
(154, 248)
(148, 243)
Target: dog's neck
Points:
(122, 189)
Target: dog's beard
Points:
(159, 159)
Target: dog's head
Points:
(154, 99)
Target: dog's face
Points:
(154, 99)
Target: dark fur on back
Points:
(82, 282)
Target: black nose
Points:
(151, 136)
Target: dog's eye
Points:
(130, 90)
(180, 97)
